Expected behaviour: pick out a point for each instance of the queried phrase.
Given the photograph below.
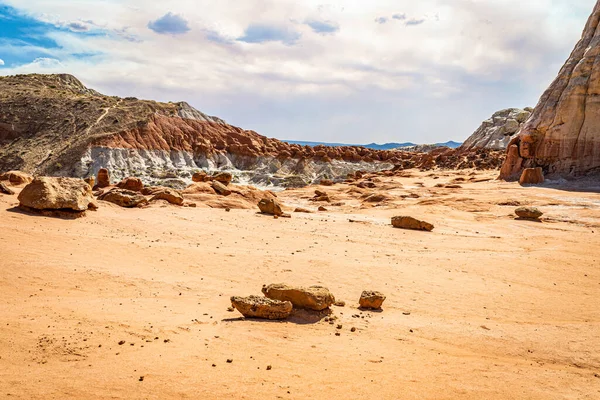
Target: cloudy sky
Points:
(349, 71)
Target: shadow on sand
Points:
(58, 214)
(298, 316)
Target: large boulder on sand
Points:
(45, 193)
(313, 298)
(223, 177)
(371, 299)
(270, 206)
(130, 183)
(404, 222)
(124, 198)
(102, 178)
(16, 177)
(262, 307)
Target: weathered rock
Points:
(270, 206)
(532, 176)
(171, 195)
(261, 307)
(131, 183)
(200, 176)
(223, 177)
(321, 208)
(45, 193)
(563, 133)
(102, 178)
(302, 210)
(529, 213)
(496, 133)
(90, 180)
(4, 189)
(220, 188)
(313, 298)
(405, 222)
(371, 299)
(16, 177)
(326, 182)
(124, 198)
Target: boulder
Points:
(261, 307)
(529, 213)
(220, 188)
(16, 177)
(302, 210)
(102, 178)
(532, 176)
(45, 193)
(321, 208)
(90, 180)
(404, 222)
(200, 176)
(124, 198)
(270, 206)
(223, 177)
(313, 298)
(326, 182)
(171, 195)
(371, 299)
(131, 183)
(4, 189)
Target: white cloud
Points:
(467, 59)
(1, 61)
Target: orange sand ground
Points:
(499, 308)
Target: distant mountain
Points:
(374, 146)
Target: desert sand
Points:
(484, 307)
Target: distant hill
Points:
(374, 146)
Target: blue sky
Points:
(344, 71)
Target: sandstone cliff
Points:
(563, 134)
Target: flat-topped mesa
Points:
(563, 134)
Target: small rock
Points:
(223, 177)
(269, 367)
(321, 208)
(353, 329)
(371, 299)
(340, 303)
(313, 298)
(4, 189)
(404, 222)
(270, 206)
(229, 360)
(220, 188)
(531, 213)
(302, 210)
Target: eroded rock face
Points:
(532, 176)
(496, 133)
(563, 134)
(405, 222)
(124, 198)
(45, 193)
(371, 299)
(313, 298)
(261, 307)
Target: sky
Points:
(347, 71)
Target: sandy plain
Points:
(484, 307)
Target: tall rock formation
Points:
(563, 134)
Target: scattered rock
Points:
(200, 176)
(532, 176)
(270, 206)
(262, 307)
(65, 194)
(302, 210)
(124, 198)
(453, 186)
(220, 188)
(326, 182)
(130, 183)
(313, 298)
(353, 329)
(340, 303)
(171, 195)
(16, 178)
(529, 213)
(371, 299)
(4, 189)
(223, 177)
(404, 222)
(102, 178)
(321, 208)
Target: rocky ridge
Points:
(496, 132)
